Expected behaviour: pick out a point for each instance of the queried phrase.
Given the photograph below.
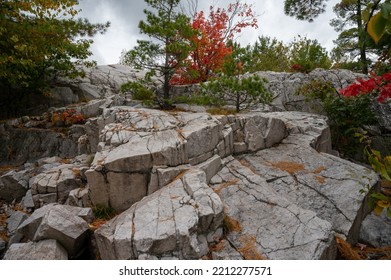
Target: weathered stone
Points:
(172, 220)
(62, 96)
(42, 250)
(14, 185)
(264, 224)
(62, 223)
(15, 220)
(318, 182)
(54, 185)
(376, 230)
(79, 197)
(69, 230)
(18, 145)
(211, 167)
(224, 251)
(27, 201)
(283, 86)
(138, 141)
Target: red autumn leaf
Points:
(210, 47)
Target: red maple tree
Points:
(210, 47)
(378, 86)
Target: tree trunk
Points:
(361, 40)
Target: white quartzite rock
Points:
(140, 142)
(66, 224)
(42, 250)
(55, 184)
(172, 222)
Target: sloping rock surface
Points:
(285, 200)
(172, 222)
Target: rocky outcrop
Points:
(172, 222)
(257, 185)
(283, 202)
(141, 140)
(284, 86)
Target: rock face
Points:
(14, 184)
(172, 222)
(285, 200)
(42, 250)
(257, 185)
(284, 85)
(140, 140)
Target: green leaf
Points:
(389, 212)
(379, 196)
(377, 27)
(386, 11)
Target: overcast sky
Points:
(125, 15)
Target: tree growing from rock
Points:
(40, 39)
(352, 22)
(169, 31)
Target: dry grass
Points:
(97, 223)
(76, 172)
(320, 179)
(225, 185)
(232, 225)
(3, 234)
(248, 165)
(362, 252)
(248, 248)
(221, 111)
(318, 170)
(218, 247)
(288, 166)
(346, 250)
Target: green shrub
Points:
(346, 114)
(139, 92)
(239, 91)
(103, 212)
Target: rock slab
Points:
(172, 222)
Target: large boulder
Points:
(14, 184)
(66, 224)
(172, 222)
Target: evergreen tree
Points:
(304, 9)
(169, 46)
(351, 22)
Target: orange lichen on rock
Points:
(232, 225)
(225, 185)
(288, 166)
(248, 248)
